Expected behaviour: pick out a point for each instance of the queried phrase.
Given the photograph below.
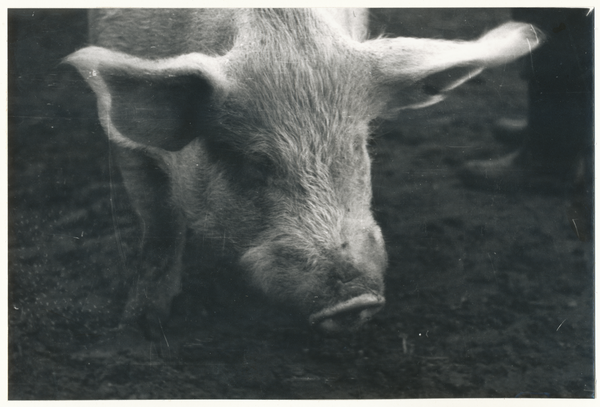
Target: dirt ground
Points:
(489, 294)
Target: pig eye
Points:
(245, 168)
(258, 170)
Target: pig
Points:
(251, 127)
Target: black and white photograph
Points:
(300, 204)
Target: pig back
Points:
(163, 33)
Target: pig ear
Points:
(157, 103)
(417, 72)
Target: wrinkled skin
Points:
(251, 127)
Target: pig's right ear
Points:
(156, 103)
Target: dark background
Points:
(489, 294)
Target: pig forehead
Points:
(280, 64)
(292, 132)
(298, 87)
(312, 101)
(326, 77)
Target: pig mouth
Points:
(348, 315)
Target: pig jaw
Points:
(338, 289)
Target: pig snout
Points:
(348, 315)
(337, 289)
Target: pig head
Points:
(250, 127)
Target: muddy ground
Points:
(489, 293)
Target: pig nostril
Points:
(345, 274)
(347, 321)
(349, 315)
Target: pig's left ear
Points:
(152, 103)
(416, 72)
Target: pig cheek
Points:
(284, 281)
